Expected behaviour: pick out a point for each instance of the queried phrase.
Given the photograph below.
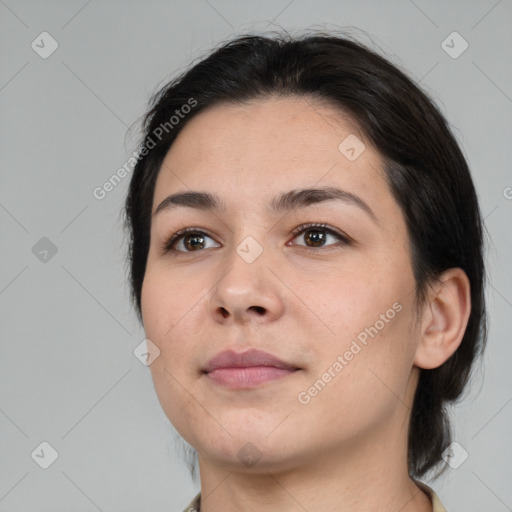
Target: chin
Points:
(257, 449)
(251, 457)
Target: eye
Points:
(187, 238)
(317, 235)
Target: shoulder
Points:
(194, 505)
(437, 506)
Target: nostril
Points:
(259, 309)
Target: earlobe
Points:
(444, 319)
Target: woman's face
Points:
(336, 302)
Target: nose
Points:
(247, 292)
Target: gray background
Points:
(68, 375)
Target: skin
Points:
(347, 448)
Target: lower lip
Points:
(247, 377)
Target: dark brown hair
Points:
(424, 166)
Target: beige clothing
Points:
(437, 506)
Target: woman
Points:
(306, 259)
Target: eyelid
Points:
(170, 241)
(320, 226)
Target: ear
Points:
(444, 319)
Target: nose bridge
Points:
(250, 238)
(247, 287)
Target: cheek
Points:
(167, 321)
(164, 303)
(370, 316)
(174, 313)
(358, 386)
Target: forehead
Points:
(257, 149)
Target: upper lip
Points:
(252, 357)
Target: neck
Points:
(371, 474)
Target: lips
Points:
(248, 359)
(247, 369)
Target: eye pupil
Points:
(193, 245)
(317, 238)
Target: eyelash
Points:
(167, 245)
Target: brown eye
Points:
(193, 242)
(317, 235)
(186, 240)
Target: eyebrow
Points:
(284, 202)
